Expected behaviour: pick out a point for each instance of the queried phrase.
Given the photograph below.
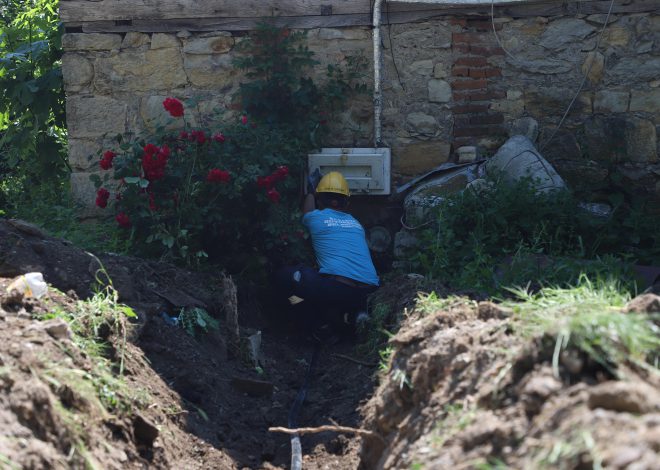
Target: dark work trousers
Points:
(325, 300)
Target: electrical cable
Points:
(296, 446)
(584, 79)
(389, 37)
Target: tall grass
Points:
(588, 317)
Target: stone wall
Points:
(447, 83)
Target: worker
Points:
(336, 293)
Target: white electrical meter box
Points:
(367, 170)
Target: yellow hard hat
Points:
(333, 182)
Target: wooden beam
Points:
(394, 16)
(84, 10)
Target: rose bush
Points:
(229, 194)
(186, 196)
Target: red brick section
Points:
(474, 80)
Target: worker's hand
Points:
(313, 181)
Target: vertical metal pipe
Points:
(378, 95)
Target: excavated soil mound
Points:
(463, 391)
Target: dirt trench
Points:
(461, 389)
(199, 405)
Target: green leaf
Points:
(143, 183)
(128, 311)
(132, 179)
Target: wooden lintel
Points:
(238, 23)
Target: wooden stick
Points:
(357, 361)
(325, 428)
(230, 305)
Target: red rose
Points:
(152, 203)
(102, 196)
(106, 160)
(199, 136)
(219, 138)
(123, 220)
(150, 149)
(281, 172)
(244, 119)
(173, 106)
(183, 135)
(273, 195)
(218, 176)
(266, 182)
(154, 161)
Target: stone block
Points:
(563, 146)
(84, 154)
(210, 71)
(594, 65)
(83, 192)
(420, 123)
(154, 115)
(620, 139)
(610, 101)
(526, 126)
(560, 33)
(583, 175)
(643, 68)
(404, 241)
(508, 107)
(164, 41)
(549, 100)
(93, 116)
(441, 70)
(548, 66)
(218, 44)
(513, 94)
(616, 36)
(77, 71)
(439, 91)
(421, 67)
(134, 40)
(90, 42)
(639, 179)
(645, 101)
(418, 157)
(160, 69)
(641, 140)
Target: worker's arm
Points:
(309, 204)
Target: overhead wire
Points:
(584, 78)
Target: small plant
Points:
(196, 320)
(399, 376)
(385, 358)
(568, 453)
(375, 331)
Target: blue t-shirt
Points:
(340, 245)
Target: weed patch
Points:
(511, 234)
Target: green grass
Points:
(53, 209)
(588, 317)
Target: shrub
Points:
(512, 234)
(184, 196)
(32, 133)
